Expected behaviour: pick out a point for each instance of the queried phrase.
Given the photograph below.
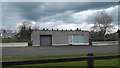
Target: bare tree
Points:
(103, 24)
(26, 25)
(25, 30)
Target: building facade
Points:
(59, 37)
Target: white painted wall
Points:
(105, 43)
(21, 44)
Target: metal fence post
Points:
(90, 62)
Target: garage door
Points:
(45, 40)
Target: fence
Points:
(90, 60)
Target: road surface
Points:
(60, 50)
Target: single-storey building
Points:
(59, 37)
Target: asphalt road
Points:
(61, 50)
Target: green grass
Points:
(76, 63)
(52, 56)
(111, 63)
(13, 40)
(83, 64)
(40, 57)
(108, 62)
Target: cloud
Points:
(35, 10)
(65, 16)
(75, 26)
(60, 0)
(28, 11)
(83, 20)
(113, 11)
(0, 15)
(89, 15)
(50, 24)
(54, 14)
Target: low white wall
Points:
(21, 44)
(105, 43)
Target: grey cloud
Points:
(60, 0)
(28, 11)
(76, 6)
(0, 15)
(65, 16)
(35, 10)
(14, 12)
(10, 17)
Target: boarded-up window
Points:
(76, 39)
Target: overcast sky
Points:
(62, 15)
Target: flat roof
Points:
(63, 30)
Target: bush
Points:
(29, 43)
(13, 40)
(105, 38)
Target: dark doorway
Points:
(46, 40)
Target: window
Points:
(76, 39)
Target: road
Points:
(60, 50)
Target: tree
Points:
(25, 30)
(118, 35)
(4, 31)
(103, 24)
(26, 25)
(118, 31)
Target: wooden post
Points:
(90, 62)
(90, 41)
(118, 35)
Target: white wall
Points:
(21, 44)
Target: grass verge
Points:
(52, 56)
(111, 63)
